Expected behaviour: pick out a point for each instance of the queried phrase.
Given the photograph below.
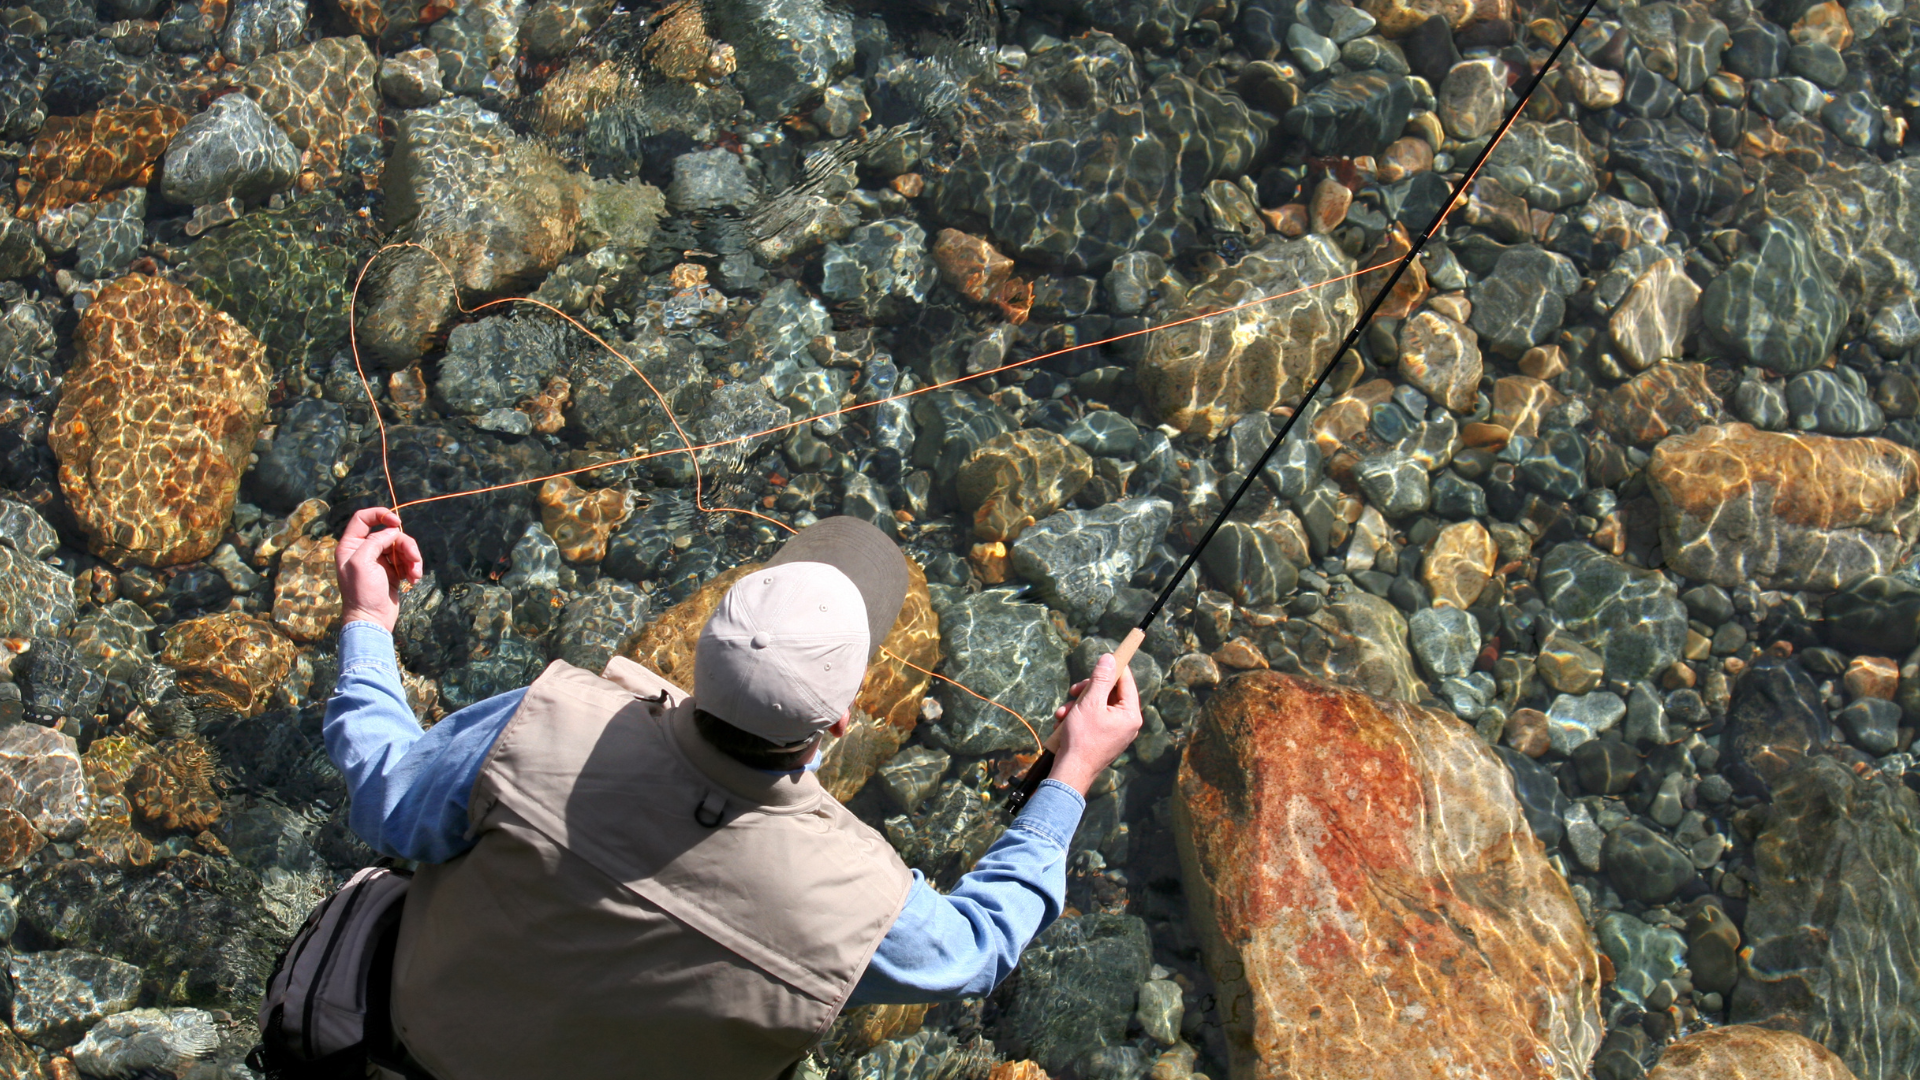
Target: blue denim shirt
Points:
(410, 790)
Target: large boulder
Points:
(156, 421)
(1834, 924)
(1787, 511)
(1203, 375)
(1369, 896)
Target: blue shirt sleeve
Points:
(964, 943)
(409, 787)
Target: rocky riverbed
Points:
(1545, 710)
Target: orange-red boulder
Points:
(1369, 897)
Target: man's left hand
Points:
(372, 566)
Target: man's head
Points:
(784, 654)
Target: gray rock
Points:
(1574, 719)
(1556, 464)
(1643, 955)
(1077, 558)
(1645, 866)
(1010, 653)
(58, 994)
(106, 244)
(1104, 433)
(912, 774)
(1775, 719)
(1832, 942)
(1394, 482)
(258, 28)
(1896, 327)
(1775, 305)
(20, 256)
(36, 600)
(499, 362)
(1855, 118)
(597, 623)
(1249, 562)
(1819, 62)
(554, 27)
(167, 1041)
(1605, 766)
(1546, 807)
(1445, 639)
(788, 50)
(24, 530)
(411, 79)
(1872, 725)
(1132, 281)
(1352, 114)
(1075, 991)
(710, 179)
(1833, 403)
(1522, 303)
(1630, 616)
(883, 269)
(1314, 52)
(1161, 1007)
(867, 500)
(298, 463)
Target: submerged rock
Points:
(1831, 944)
(1630, 616)
(1078, 558)
(1008, 652)
(1075, 989)
(151, 457)
(322, 95)
(1014, 479)
(233, 150)
(1344, 856)
(1788, 511)
(58, 994)
(164, 1040)
(1776, 305)
(1750, 1052)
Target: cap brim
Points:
(869, 558)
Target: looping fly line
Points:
(693, 451)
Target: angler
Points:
(620, 879)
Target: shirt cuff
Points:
(1053, 812)
(365, 644)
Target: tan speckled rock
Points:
(1442, 358)
(580, 520)
(306, 591)
(1656, 315)
(41, 779)
(76, 159)
(321, 95)
(1518, 402)
(1745, 1052)
(1788, 511)
(156, 421)
(1202, 376)
(888, 706)
(1369, 897)
(1462, 559)
(1666, 399)
(238, 658)
(1018, 477)
(1398, 17)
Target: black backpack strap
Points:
(382, 1043)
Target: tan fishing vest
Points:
(638, 904)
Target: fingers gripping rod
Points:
(1131, 644)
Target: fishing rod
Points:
(1130, 644)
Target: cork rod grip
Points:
(1030, 783)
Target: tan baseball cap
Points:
(786, 650)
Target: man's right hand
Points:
(373, 565)
(1097, 727)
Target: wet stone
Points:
(1352, 114)
(499, 362)
(787, 50)
(19, 256)
(238, 658)
(1872, 725)
(1009, 652)
(58, 994)
(912, 775)
(1855, 118)
(1666, 399)
(1394, 482)
(1573, 720)
(1833, 403)
(1776, 305)
(466, 537)
(1273, 757)
(1472, 99)
(36, 600)
(60, 683)
(1460, 563)
(1016, 478)
(1441, 357)
(411, 79)
(708, 179)
(1541, 799)
(306, 592)
(1605, 766)
(1747, 1050)
(1761, 403)
(1075, 990)
(1568, 666)
(110, 241)
(1556, 464)
(298, 463)
(882, 268)
(1643, 955)
(231, 150)
(1775, 719)
(597, 623)
(1523, 301)
(1829, 510)
(151, 460)
(1652, 321)
(1630, 616)
(1076, 558)
(164, 1040)
(41, 779)
(1551, 165)
(1249, 562)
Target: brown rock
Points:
(1442, 358)
(1454, 305)
(1518, 402)
(239, 659)
(321, 95)
(1240, 654)
(970, 265)
(109, 763)
(888, 705)
(1479, 436)
(1527, 732)
(1202, 376)
(1594, 88)
(990, 561)
(18, 839)
(1331, 198)
(173, 787)
(151, 453)
(1503, 213)
(1666, 399)
(580, 520)
(1289, 221)
(42, 780)
(679, 46)
(1788, 511)
(1543, 362)
(1348, 860)
(1461, 562)
(19, 1061)
(1410, 291)
(1745, 1052)
(1872, 677)
(77, 159)
(1403, 158)
(1824, 23)
(1472, 98)
(1656, 315)
(306, 591)
(1017, 1070)
(1399, 17)
(1018, 477)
